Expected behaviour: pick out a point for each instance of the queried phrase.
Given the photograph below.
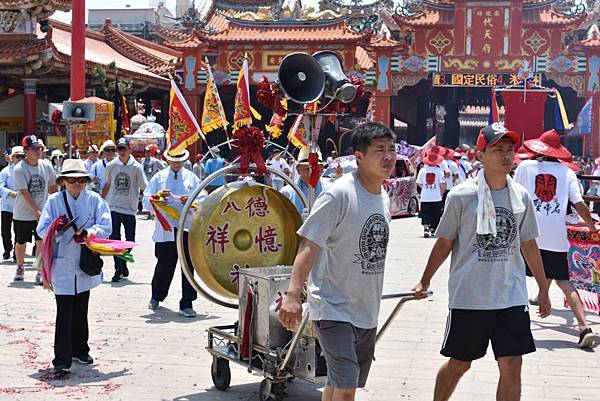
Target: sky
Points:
(66, 17)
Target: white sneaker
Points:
(20, 273)
(38, 279)
(187, 312)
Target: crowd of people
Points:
(500, 214)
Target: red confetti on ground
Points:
(73, 390)
(8, 329)
(10, 390)
(110, 387)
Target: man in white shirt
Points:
(432, 182)
(179, 182)
(92, 157)
(108, 151)
(278, 163)
(552, 186)
(8, 193)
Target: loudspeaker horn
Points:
(301, 78)
(79, 111)
(337, 85)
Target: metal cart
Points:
(275, 352)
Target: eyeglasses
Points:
(110, 150)
(73, 180)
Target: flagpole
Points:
(188, 111)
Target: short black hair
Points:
(363, 135)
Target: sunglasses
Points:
(73, 180)
(110, 150)
(20, 156)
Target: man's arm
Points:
(105, 189)
(532, 256)
(290, 313)
(438, 255)
(30, 203)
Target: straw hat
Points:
(303, 155)
(548, 144)
(56, 153)
(107, 144)
(179, 157)
(73, 168)
(570, 164)
(17, 151)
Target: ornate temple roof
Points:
(39, 8)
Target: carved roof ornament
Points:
(570, 8)
(411, 8)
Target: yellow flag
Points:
(212, 115)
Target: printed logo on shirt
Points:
(499, 248)
(36, 185)
(373, 244)
(545, 191)
(122, 183)
(430, 178)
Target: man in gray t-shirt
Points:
(34, 179)
(488, 225)
(343, 250)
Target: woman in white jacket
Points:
(70, 284)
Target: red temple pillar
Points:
(78, 50)
(594, 143)
(29, 92)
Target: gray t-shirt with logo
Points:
(486, 272)
(126, 181)
(36, 180)
(351, 226)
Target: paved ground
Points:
(146, 355)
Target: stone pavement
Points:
(146, 355)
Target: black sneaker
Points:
(586, 338)
(426, 233)
(125, 272)
(61, 370)
(85, 359)
(6, 255)
(116, 278)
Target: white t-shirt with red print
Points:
(551, 186)
(430, 178)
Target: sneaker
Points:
(586, 338)
(187, 312)
(117, 277)
(85, 359)
(6, 255)
(20, 273)
(425, 233)
(125, 272)
(153, 304)
(38, 279)
(61, 370)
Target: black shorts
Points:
(24, 230)
(430, 213)
(469, 332)
(556, 265)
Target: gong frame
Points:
(186, 269)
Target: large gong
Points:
(239, 226)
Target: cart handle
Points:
(404, 297)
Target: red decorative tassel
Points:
(315, 169)
(250, 142)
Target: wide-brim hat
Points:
(181, 156)
(303, 155)
(523, 153)
(56, 153)
(548, 144)
(73, 168)
(433, 159)
(597, 161)
(570, 164)
(107, 144)
(17, 151)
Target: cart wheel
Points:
(265, 390)
(412, 207)
(220, 372)
(279, 390)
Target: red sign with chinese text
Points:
(487, 30)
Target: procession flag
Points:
(583, 125)
(183, 127)
(494, 116)
(562, 121)
(213, 114)
(298, 135)
(125, 128)
(243, 111)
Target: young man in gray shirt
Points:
(34, 179)
(124, 181)
(488, 222)
(344, 245)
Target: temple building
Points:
(428, 64)
(35, 57)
